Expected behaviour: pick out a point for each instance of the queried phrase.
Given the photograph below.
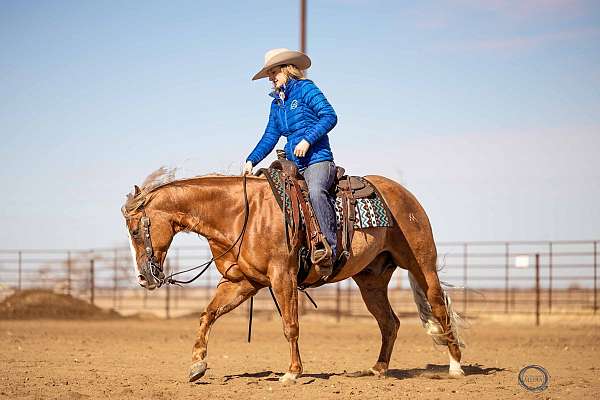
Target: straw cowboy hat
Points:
(276, 57)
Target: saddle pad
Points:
(370, 212)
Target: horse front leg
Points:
(285, 289)
(228, 296)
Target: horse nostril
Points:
(142, 280)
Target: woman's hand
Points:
(301, 148)
(247, 168)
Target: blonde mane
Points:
(158, 179)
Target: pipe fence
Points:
(535, 277)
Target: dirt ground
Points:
(133, 358)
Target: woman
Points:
(301, 113)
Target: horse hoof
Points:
(197, 370)
(289, 378)
(456, 373)
(378, 373)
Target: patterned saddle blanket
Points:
(370, 212)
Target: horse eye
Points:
(134, 233)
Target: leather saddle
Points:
(356, 185)
(300, 218)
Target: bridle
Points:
(153, 267)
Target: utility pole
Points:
(303, 26)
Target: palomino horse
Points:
(224, 209)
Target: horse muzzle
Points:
(152, 276)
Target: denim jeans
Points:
(320, 177)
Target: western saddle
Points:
(302, 230)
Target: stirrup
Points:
(321, 255)
(324, 264)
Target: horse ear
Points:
(136, 190)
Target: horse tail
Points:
(432, 327)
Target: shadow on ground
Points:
(435, 371)
(431, 371)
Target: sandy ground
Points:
(150, 359)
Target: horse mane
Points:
(160, 178)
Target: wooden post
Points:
(338, 292)
(595, 276)
(349, 297)
(168, 294)
(465, 301)
(399, 285)
(506, 268)
(537, 289)
(69, 266)
(303, 26)
(177, 268)
(115, 281)
(550, 278)
(20, 269)
(92, 283)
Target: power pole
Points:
(303, 26)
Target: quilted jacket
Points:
(305, 113)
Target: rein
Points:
(169, 279)
(157, 272)
(155, 269)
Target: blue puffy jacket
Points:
(304, 114)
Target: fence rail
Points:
(484, 277)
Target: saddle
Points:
(302, 230)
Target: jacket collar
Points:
(287, 88)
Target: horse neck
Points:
(206, 205)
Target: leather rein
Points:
(153, 267)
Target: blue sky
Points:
(489, 112)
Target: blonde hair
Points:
(291, 71)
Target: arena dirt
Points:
(132, 358)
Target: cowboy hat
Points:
(276, 57)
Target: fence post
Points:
(465, 301)
(168, 295)
(506, 266)
(92, 283)
(338, 293)
(595, 276)
(537, 289)
(177, 268)
(69, 261)
(20, 269)
(550, 278)
(115, 279)
(349, 298)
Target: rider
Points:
(301, 113)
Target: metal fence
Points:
(483, 277)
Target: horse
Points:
(224, 209)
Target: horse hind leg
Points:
(432, 301)
(373, 283)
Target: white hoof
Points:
(379, 374)
(289, 378)
(456, 373)
(455, 370)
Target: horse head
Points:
(150, 233)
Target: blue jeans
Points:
(319, 178)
